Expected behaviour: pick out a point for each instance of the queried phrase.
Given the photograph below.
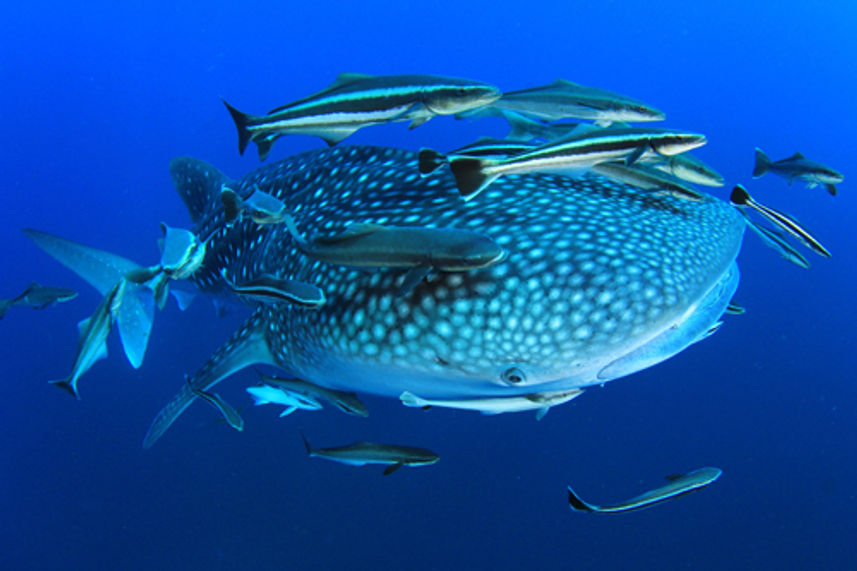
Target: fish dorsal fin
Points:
(354, 230)
(673, 477)
(560, 82)
(348, 77)
(198, 184)
(796, 157)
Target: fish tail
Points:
(577, 504)
(242, 120)
(410, 399)
(740, 196)
(430, 160)
(4, 306)
(470, 176)
(763, 163)
(309, 449)
(67, 385)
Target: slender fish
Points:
(232, 417)
(356, 100)
(265, 394)
(563, 99)
(38, 297)
(648, 178)
(777, 241)
(430, 160)
(270, 289)
(573, 155)
(540, 402)
(92, 345)
(361, 453)
(346, 402)
(689, 168)
(260, 206)
(741, 197)
(678, 485)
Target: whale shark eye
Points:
(514, 375)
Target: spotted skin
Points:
(595, 270)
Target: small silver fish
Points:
(687, 167)
(266, 394)
(361, 453)
(540, 402)
(346, 402)
(679, 485)
(798, 167)
(648, 178)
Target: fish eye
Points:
(461, 91)
(514, 375)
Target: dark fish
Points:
(741, 197)
(678, 485)
(356, 100)
(270, 289)
(230, 415)
(38, 297)
(261, 207)
(361, 453)
(735, 309)
(798, 167)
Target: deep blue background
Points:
(96, 98)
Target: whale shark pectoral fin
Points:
(246, 347)
(136, 313)
(99, 268)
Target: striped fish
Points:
(271, 289)
(356, 100)
(741, 197)
(648, 178)
(573, 154)
(430, 160)
(689, 168)
(678, 485)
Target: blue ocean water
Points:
(96, 100)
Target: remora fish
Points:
(602, 280)
(689, 168)
(38, 297)
(269, 289)
(346, 402)
(777, 241)
(798, 167)
(563, 99)
(679, 485)
(357, 100)
(361, 453)
(430, 160)
(266, 394)
(540, 402)
(646, 177)
(573, 154)
(92, 345)
(230, 415)
(741, 197)
(418, 248)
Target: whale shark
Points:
(600, 279)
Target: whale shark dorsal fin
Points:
(245, 348)
(199, 185)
